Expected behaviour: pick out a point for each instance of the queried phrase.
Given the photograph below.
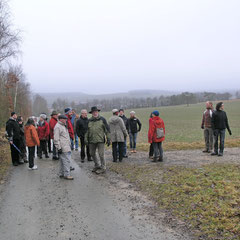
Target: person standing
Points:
(98, 130)
(62, 143)
(219, 125)
(13, 134)
(207, 126)
(156, 135)
(81, 129)
(68, 114)
(43, 134)
(74, 118)
(22, 146)
(124, 118)
(118, 134)
(52, 124)
(151, 151)
(32, 141)
(133, 127)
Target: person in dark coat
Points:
(81, 129)
(13, 134)
(124, 118)
(133, 127)
(219, 125)
(22, 146)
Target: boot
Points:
(155, 159)
(160, 159)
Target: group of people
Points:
(63, 131)
(215, 123)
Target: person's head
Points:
(62, 119)
(84, 113)
(30, 121)
(155, 113)
(43, 117)
(95, 111)
(73, 111)
(121, 112)
(54, 114)
(14, 115)
(20, 119)
(68, 111)
(219, 106)
(115, 112)
(132, 114)
(209, 105)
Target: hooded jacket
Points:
(98, 129)
(43, 130)
(52, 124)
(70, 127)
(154, 123)
(61, 138)
(220, 120)
(118, 131)
(31, 136)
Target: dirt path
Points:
(39, 205)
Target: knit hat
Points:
(67, 110)
(54, 113)
(12, 113)
(43, 115)
(156, 113)
(115, 110)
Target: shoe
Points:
(120, 160)
(61, 176)
(134, 151)
(126, 156)
(82, 161)
(95, 169)
(25, 161)
(69, 178)
(76, 149)
(15, 164)
(33, 168)
(114, 160)
(214, 154)
(155, 160)
(220, 154)
(50, 151)
(40, 157)
(150, 157)
(20, 162)
(55, 158)
(100, 171)
(90, 160)
(72, 168)
(205, 151)
(160, 159)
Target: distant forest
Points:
(132, 103)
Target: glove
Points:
(202, 127)
(108, 142)
(230, 132)
(59, 151)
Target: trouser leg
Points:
(82, 153)
(210, 139)
(216, 141)
(160, 149)
(131, 140)
(88, 153)
(222, 138)
(49, 145)
(14, 152)
(76, 141)
(206, 137)
(92, 149)
(121, 150)
(54, 151)
(125, 147)
(114, 151)
(66, 159)
(155, 150)
(134, 140)
(100, 147)
(151, 150)
(31, 153)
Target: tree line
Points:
(15, 93)
(132, 103)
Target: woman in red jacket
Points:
(156, 135)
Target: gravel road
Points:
(38, 205)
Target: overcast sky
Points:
(103, 46)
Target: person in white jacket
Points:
(63, 145)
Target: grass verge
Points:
(207, 198)
(5, 159)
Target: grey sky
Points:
(102, 46)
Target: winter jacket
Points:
(22, 134)
(118, 131)
(70, 127)
(154, 123)
(75, 123)
(43, 130)
(62, 138)
(133, 125)
(207, 119)
(13, 129)
(52, 124)
(220, 120)
(124, 118)
(81, 126)
(31, 136)
(97, 130)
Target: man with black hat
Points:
(98, 129)
(52, 124)
(63, 145)
(13, 134)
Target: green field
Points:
(183, 122)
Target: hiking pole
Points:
(16, 148)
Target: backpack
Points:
(160, 132)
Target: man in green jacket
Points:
(95, 137)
